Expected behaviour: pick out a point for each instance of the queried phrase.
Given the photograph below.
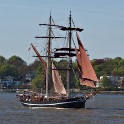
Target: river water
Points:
(102, 109)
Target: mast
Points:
(48, 53)
(70, 50)
(69, 64)
(48, 58)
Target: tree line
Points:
(18, 68)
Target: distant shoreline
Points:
(111, 92)
(100, 92)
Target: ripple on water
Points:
(103, 109)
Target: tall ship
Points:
(56, 93)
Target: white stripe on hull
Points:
(52, 104)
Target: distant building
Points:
(29, 77)
(98, 84)
(9, 82)
(117, 81)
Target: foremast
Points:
(69, 62)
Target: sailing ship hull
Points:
(68, 103)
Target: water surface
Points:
(102, 109)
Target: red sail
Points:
(87, 74)
(58, 85)
(39, 56)
(82, 81)
(41, 60)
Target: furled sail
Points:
(58, 85)
(86, 71)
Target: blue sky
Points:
(103, 21)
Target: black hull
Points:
(68, 103)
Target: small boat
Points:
(61, 97)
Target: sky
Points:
(102, 21)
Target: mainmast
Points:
(48, 56)
(48, 53)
